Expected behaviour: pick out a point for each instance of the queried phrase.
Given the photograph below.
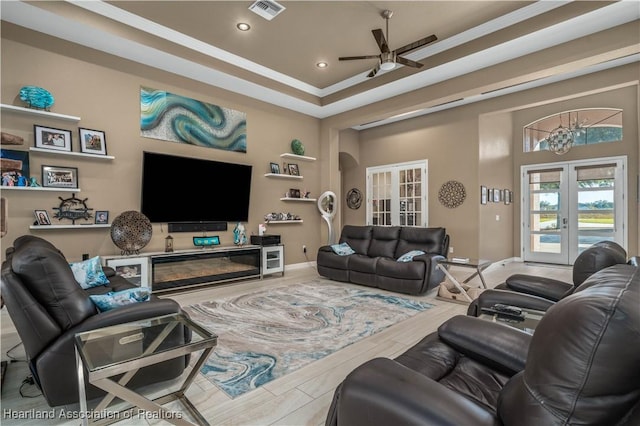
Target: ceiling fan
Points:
(388, 59)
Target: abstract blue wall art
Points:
(176, 118)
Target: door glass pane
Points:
(596, 205)
(381, 198)
(545, 243)
(544, 217)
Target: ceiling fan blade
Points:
(408, 62)
(415, 44)
(381, 40)
(351, 58)
(374, 71)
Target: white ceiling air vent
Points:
(268, 9)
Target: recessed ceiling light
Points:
(243, 26)
(322, 64)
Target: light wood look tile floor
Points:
(300, 398)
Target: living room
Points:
(477, 144)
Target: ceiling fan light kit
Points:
(388, 59)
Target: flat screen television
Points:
(183, 189)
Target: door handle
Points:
(564, 222)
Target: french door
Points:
(397, 194)
(566, 207)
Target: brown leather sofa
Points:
(48, 307)
(581, 366)
(377, 249)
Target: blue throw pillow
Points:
(408, 257)
(342, 249)
(115, 299)
(89, 273)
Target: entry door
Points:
(569, 206)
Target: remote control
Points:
(508, 309)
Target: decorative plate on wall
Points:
(354, 198)
(452, 194)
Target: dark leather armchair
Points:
(48, 307)
(539, 293)
(581, 366)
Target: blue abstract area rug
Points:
(267, 334)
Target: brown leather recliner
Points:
(581, 366)
(48, 307)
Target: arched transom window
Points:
(583, 127)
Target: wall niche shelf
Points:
(54, 227)
(38, 112)
(308, 200)
(40, 188)
(75, 154)
(297, 157)
(282, 222)
(281, 176)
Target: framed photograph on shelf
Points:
(294, 193)
(275, 168)
(14, 167)
(42, 217)
(59, 177)
(293, 169)
(50, 138)
(102, 217)
(483, 194)
(133, 269)
(93, 141)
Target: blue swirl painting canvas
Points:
(176, 118)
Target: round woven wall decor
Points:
(452, 194)
(354, 198)
(131, 232)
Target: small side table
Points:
(125, 348)
(478, 265)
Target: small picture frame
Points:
(507, 196)
(496, 195)
(294, 193)
(102, 217)
(275, 168)
(293, 169)
(59, 177)
(93, 141)
(133, 269)
(490, 195)
(483, 194)
(42, 217)
(51, 138)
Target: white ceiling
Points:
(275, 61)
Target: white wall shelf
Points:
(281, 176)
(40, 188)
(297, 157)
(312, 200)
(38, 112)
(76, 154)
(54, 227)
(282, 222)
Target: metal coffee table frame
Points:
(100, 375)
(478, 264)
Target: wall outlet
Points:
(450, 249)
(304, 249)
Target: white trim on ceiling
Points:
(29, 16)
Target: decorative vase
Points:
(131, 232)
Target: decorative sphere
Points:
(297, 147)
(131, 232)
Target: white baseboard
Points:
(302, 265)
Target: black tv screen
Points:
(183, 189)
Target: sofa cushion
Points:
(358, 237)
(116, 299)
(408, 257)
(362, 263)
(384, 240)
(404, 270)
(88, 273)
(429, 240)
(342, 249)
(47, 275)
(329, 259)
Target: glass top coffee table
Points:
(124, 349)
(527, 324)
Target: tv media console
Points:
(186, 269)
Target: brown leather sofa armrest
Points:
(384, 392)
(490, 297)
(539, 286)
(501, 347)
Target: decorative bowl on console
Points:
(131, 232)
